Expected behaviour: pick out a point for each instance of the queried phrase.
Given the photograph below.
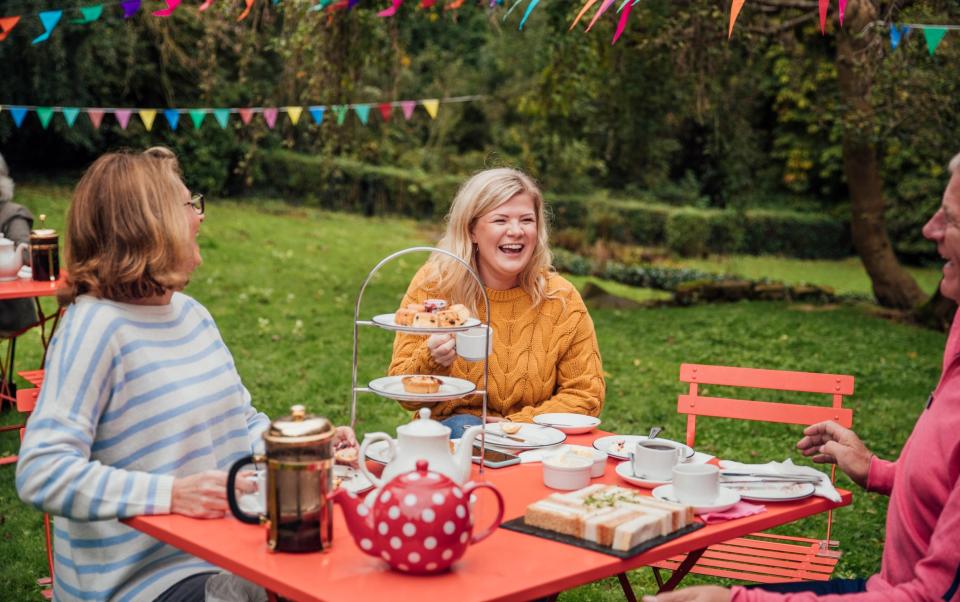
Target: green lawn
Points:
(282, 282)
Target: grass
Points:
(282, 282)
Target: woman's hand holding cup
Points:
(443, 348)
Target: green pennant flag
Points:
(45, 114)
(197, 116)
(70, 115)
(90, 14)
(341, 111)
(933, 36)
(222, 116)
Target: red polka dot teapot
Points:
(419, 522)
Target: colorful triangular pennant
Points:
(222, 116)
(526, 15)
(147, 116)
(824, 5)
(386, 110)
(90, 14)
(173, 118)
(933, 35)
(123, 117)
(206, 4)
(294, 114)
(317, 114)
(432, 105)
(341, 111)
(49, 19)
(172, 5)
(622, 23)
(407, 106)
(245, 115)
(603, 8)
(246, 11)
(363, 112)
(18, 114)
(130, 8)
(735, 6)
(270, 116)
(197, 116)
(96, 117)
(44, 114)
(6, 26)
(70, 115)
(841, 10)
(391, 10)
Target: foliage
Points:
(687, 232)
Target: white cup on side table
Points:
(470, 343)
(696, 484)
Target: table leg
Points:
(627, 589)
(682, 570)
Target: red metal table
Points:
(506, 566)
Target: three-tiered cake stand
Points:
(391, 387)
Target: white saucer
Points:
(625, 472)
(727, 498)
(571, 424)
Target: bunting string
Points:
(222, 115)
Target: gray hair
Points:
(954, 165)
(6, 182)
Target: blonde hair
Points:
(127, 235)
(479, 195)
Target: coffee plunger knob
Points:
(298, 412)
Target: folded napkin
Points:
(738, 510)
(823, 488)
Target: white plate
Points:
(534, 435)
(352, 479)
(571, 424)
(379, 452)
(774, 492)
(611, 444)
(387, 321)
(450, 388)
(727, 498)
(625, 472)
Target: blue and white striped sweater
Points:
(133, 396)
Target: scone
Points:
(435, 305)
(425, 319)
(347, 455)
(455, 316)
(421, 384)
(415, 307)
(404, 317)
(510, 428)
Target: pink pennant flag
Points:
(408, 106)
(270, 116)
(386, 110)
(824, 5)
(735, 6)
(205, 5)
(603, 8)
(6, 26)
(245, 115)
(622, 24)
(843, 9)
(166, 12)
(96, 117)
(123, 117)
(582, 12)
(247, 11)
(392, 10)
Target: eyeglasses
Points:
(197, 202)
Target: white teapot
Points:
(423, 439)
(11, 258)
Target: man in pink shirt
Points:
(921, 554)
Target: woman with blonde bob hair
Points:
(141, 408)
(545, 354)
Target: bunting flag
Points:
(70, 115)
(270, 116)
(453, 5)
(526, 15)
(173, 118)
(18, 113)
(222, 116)
(90, 14)
(735, 6)
(44, 114)
(245, 115)
(317, 114)
(407, 106)
(147, 116)
(841, 10)
(206, 4)
(603, 8)
(197, 116)
(6, 26)
(392, 10)
(294, 114)
(49, 19)
(130, 8)
(246, 11)
(626, 7)
(172, 5)
(933, 35)
(363, 112)
(96, 117)
(341, 112)
(824, 5)
(386, 111)
(582, 12)
(431, 105)
(123, 117)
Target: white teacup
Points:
(696, 484)
(470, 343)
(655, 460)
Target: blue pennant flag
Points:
(173, 118)
(49, 20)
(70, 115)
(18, 113)
(317, 114)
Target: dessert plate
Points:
(773, 492)
(388, 322)
(620, 446)
(625, 472)
(530, 436)
(726, 498)
(571, 424)
(450, 388)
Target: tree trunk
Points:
(937, 312)
(892, 285)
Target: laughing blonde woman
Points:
(545, 354)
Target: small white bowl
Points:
(599, 458)
(571, 424)
(567, 471)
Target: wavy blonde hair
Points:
(127, 233)
(479, 195)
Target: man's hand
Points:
(204, 495)
(830, 443)
(443, 348)
(701, 593)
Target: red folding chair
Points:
(26, 402)
(763, 557)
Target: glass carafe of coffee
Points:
(44, 253)
(299, 458)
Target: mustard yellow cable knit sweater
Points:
(545, 358)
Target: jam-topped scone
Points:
(404, 316)
(421, 384)
(435, 305)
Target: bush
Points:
(727, 233)
(796, 235)
(687, 232)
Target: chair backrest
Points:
(693, 404)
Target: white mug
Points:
(654, 460)
(470, 343)
(696, 484)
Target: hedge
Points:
(348, 185)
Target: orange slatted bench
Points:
(764, 557)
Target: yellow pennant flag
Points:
(294, 114)
(735, 6)
(432, 105)
(147, 116)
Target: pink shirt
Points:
(921, 554)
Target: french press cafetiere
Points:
(299, 458)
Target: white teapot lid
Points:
(424, 426)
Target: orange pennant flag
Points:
(735, 7)
(6, 26)
(582, 12)
(247, 11)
